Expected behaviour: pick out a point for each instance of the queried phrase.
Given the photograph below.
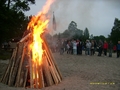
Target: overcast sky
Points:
(97, 15)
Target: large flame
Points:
(37, 25)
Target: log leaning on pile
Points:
(19, 72)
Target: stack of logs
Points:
(19, 72)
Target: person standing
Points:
(81, 47)
(105, 47)
(88, 48)
(118, 49)
(74, 47)
(68, 47)
(71, 46)
(92, 47)
(110, 48)
(61, 47)
(100, 47)
(114, 48)
(78, 46)
(95, 46)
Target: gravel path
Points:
(81, 72)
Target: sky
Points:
(97, 15)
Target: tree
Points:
(74, 32)
(59, 36)
(115, 31)
(101, 37)
(72, 26)
(79, 32)
(13, 20)
(65, 34)
(86, 33)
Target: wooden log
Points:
(25, 78)
(2, 79)
(46, 71)
(24, 71)
(25, 38)
(21, 53)
(16, 65)
(45, 44)
(7, 69)
(21, 80)
(52, 60)
(31, 71)
(51, 68)
(40, 79)
(36, 78)
(14, 73)
(20, 67)
(11, 71)
(6, 77)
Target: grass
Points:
(5, 54)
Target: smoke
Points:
(72, 10)
(97, 15)
(113, 3)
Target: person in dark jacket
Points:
(110, 48)
(100, 47)
(118, 49)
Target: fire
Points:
(37, 25)
(36, 45)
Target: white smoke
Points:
(72, 10)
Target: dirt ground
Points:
(81, 72)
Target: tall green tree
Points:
(115, 31)
(12, 17)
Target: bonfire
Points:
(32, 63)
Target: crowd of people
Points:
(76, 47)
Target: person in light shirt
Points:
(88, 47)
(74, 47)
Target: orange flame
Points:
(36, 26)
